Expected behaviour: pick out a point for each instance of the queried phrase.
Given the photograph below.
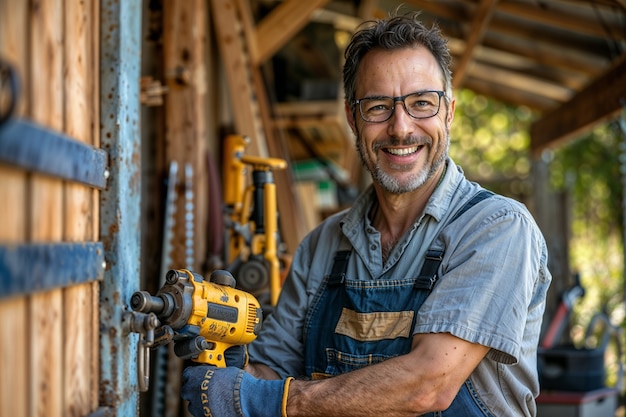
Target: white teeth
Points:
(403, 151)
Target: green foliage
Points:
(589, 168)
(490, 141)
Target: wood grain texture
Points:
(46, 209)
(13, 43)
(14, 366)
(79, 206)
(13, 312)
(13, 357)
(184, 55)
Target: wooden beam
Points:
(280, 25)
(576, 23)
(235, 53)
(509, 95)
(546, 53)
(521, 81)
(448, 9)
(598, 102)
(480, 21)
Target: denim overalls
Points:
(356, 323)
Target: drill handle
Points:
(214, 355)
(200, 350)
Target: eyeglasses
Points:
(420, 105)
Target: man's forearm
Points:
(385, 389)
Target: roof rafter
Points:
(558, 18)
(280, 25)
(480, 21)
(599, 101)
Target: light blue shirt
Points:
(491, 289)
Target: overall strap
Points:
(428, 275)
(340, 264)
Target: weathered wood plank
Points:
(13, 358)
(14, 367)
(77, 323)
(46, 205)
(78, 311)
(13, 335)
(46, 360)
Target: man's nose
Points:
(401, 123)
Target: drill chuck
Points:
(144, 302)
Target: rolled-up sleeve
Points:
(487, 279)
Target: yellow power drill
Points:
(202, 318)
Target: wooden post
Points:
(184, 44)
(548, 210)
(14, 367)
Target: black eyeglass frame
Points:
(394, 100)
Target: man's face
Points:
(402, 153)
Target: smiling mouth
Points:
(402, 151)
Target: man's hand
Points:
(231, 392)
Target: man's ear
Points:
(450, 115)
(350, 117)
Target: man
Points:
(413, 301)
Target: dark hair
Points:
(395, 32)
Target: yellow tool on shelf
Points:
(252, 238)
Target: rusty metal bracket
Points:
(144, 324)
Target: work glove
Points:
(236, 356)
(232, 392)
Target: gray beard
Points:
(391, 184)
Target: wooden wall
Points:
(49, 339)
